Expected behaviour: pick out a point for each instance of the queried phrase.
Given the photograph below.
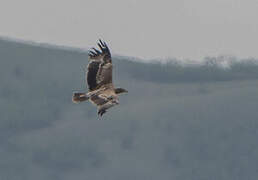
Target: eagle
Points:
(101, 90)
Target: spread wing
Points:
(99, 70)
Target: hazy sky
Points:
(141, 28)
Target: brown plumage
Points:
(102, 92)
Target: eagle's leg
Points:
(101, 112)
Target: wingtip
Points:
(101, 42)
(96, 51)
(93, 53)
(100, 46)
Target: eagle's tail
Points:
(79, 97)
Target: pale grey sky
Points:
(141, 28)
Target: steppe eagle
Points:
(102, 92)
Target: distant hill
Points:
(179, 120)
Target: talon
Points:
(101, 112)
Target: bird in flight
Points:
(102, 92)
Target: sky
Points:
(146, 29)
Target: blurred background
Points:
(180, 119)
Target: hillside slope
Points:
(178, 121)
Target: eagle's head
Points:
(120, 90)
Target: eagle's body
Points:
(102, 92)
